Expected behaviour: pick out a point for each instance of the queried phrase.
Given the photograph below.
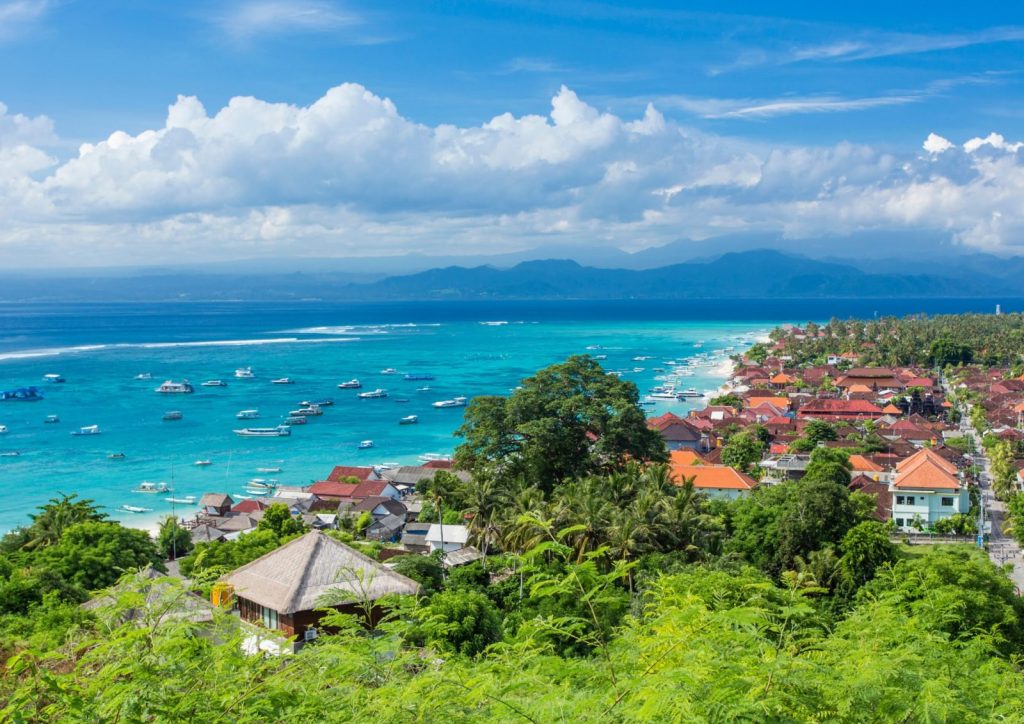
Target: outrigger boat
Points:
(135, 509)
(147, 487)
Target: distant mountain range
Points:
(747, 274)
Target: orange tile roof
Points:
(713, 476)
(858, 388)
(782, 403)
(685, 457)
(862, 464)
(782, 379)
(926, 474)
(925, 454)
(891, 409)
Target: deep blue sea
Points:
(471, 349)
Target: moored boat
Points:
(283, 381)
(202, 463)
(311, 411)
(268, 470)
(87, 430)
(389, 371)
(143, 376)
(215, 383)
(244, 373)
(295, 420)
(418, 376)
(153, 488)
(454, 402)
(54, 378)
(279, 431)
(366, 444)
(317, 403)
(409, 420)
(175, 388)
(352, 384)
(116, 456)
(3, 429)
(373, 394)
(173, 415)
(50, 419)
(247, 414)
(135, 509)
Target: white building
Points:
(926, 489)
(454, 536)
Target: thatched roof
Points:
(295, 576)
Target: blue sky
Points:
(678, 121)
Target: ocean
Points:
(469, 348)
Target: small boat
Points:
(409, 420)
(143, 376)
(279, 431)
(244, 373)
(374, 394)
(215, 383)
(87, 430)
(319, 403)
(147, 487)
(283, 381)
(202, 463)
(173, 415)
(311, 411)
(135, 509)
(600, 356)
(454, 402)
(175, 388)
(50, 419)
(268, 470)
(21, 394)
(54, 378)
(352, 384)
(691, 392)
(423, 389)
(116, 456)
(418, 376)
(247, 414)
(261, 484)
(3, 429)
(187, 500)
(10, 454)
(257, 492)
(366, 444)
(389, 371)
(295, 420)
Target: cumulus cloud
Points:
(349, 174)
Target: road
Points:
(1001, 549)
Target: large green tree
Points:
(568, 420)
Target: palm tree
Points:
(57, 515)
(485, 501)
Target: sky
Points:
(148, 132)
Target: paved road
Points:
(1001, 549)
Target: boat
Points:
(423, 389)
(434, 458)
(279, 431)
(319, 403)
(352, 384)
(261, 484)
(21, 394)
(247, 414)
(87, 430)
(50, 419)
(3, 429)
(215, 383)
(187, 500)
(294, 421)
(409, 420)
(268, 470)
(600, 356)
(244, 373)
(257, 492)
(147, 487)
(135, 509)
(54, 378)
(143, 376)
(646, 403)
(173, 415)
(418, 376)
(311, 411)
(366, 444)
(389, 371)
(691, 392)
(375, 393)
(454, 402)
(10, 454)
(283, 381)
(116, 456)
(175, 388)
(202, 463)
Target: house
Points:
(346, 473)
(926, 489)
(388, 528)
(781, 404)
(320, 521)
(240, 523)
(252, 505)
(376, 489)
(685, 457)
(331, 490)
(283, 588)
(414, 538)
(716, 481)
(830, 410)
(216, 504)
(880, 490)
(875, 378)
(407, 476)
(203, 533)
(378, 506)
(446, 538)
(461, 557)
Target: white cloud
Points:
(349, 174)
(18, 15)
(936, 144)
(253, 18)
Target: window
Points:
(899, 500)
(910, 500)
(269, 617)
(947, 501)
(899, 522)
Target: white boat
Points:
(366, 444)
(352, 384)
(691, 392)
(154, 488)
(244, 373)
(175, 388)
(202, 463)
(389, 371)
(268, 470)
(454, 402)
(247, 414)
(318, 403)
(215, 383)
(173, 415)
(311, 411)
(256, 493)
(187, 500)
(375, 393)
(135, 509)
(600, 356)
(143, 376)
(10, 454)
(87, 430)
(423, 389)
(54, 378)
(409, 420)
(116, 456)
(3, 429)
(434, 457)
(283, 381)
(50, 419)
(664, 393)
(294, 420)
(262, 484)
(279, 431)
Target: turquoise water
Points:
(466, 357)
